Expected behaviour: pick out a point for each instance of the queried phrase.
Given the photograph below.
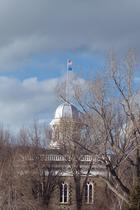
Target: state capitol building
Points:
(79, 168)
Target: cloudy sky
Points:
(37, 37)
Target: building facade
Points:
(64, 196)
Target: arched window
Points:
(89, 193)
(64, 193)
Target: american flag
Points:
(69, 65)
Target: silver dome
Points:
(65, 110)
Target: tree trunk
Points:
(78, 194)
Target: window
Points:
(64, 192)
(89, 193)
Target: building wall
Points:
(99, 199)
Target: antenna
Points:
(69, 68)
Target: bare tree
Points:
(73, 134)
(43, 177)
(13, 193)
(113, 120)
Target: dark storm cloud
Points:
(33, 27)
(29, 27)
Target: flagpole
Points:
(69, 68)
(67, 84)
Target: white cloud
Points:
(21, 102)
